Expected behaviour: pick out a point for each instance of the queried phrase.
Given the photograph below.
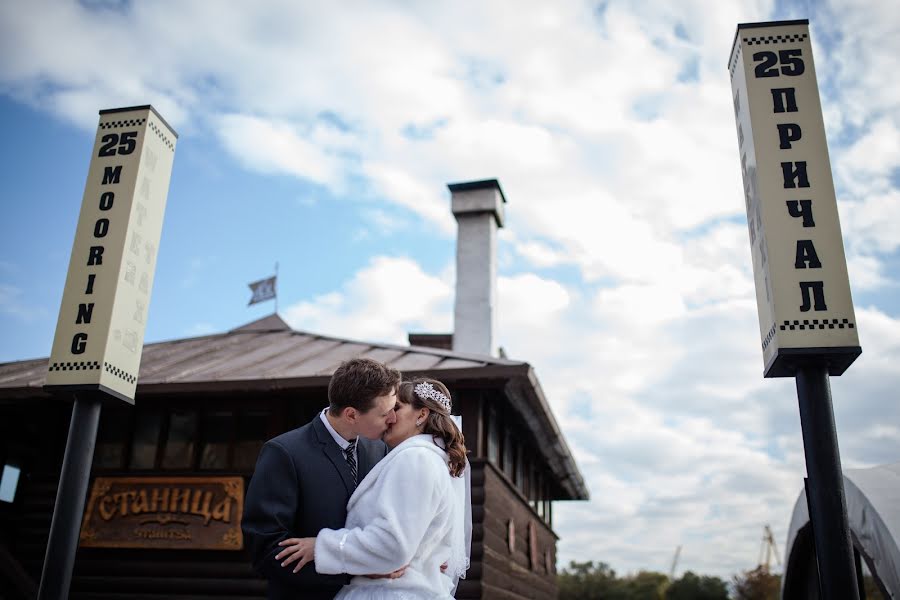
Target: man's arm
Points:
(271, 503)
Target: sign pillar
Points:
(806, 317)
(100, 331)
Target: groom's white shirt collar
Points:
(338, 438)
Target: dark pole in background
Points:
(62, 543)
(825, 489)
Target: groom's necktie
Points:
(350, 455)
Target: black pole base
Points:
(825, 489)
(62, 543)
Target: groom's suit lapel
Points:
(333, 452)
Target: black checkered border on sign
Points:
(776, 39)
(125, 123)
(817, 324)
(769, 337)
(165, 140)
(83, 365)
(123, 375)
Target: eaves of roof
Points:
(267, 355)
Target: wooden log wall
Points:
(496, 571)
(37, 436)
(503, 573)
(131, 573)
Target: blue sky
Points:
(322, 138)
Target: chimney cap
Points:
(478, 197)
(483, 184)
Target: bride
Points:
(410, 513)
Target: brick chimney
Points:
(479, 210)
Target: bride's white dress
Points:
(407, 511)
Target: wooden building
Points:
(162, 517)
(204, 407)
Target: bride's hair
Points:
(438, 424)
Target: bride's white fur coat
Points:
(399, 515)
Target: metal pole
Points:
(828, 507)
(62, 543)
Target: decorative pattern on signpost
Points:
(802, 287)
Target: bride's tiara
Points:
(426, 390)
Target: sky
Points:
(321, 136)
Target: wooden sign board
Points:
(802, 287)
(197, 513)
(102, 318)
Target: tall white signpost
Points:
(806, 319)
(100, 331)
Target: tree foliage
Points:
(697, 587)
(598, 581)
(757, 584)
(588, 581)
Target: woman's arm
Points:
(402, 505)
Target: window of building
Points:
(145, 441)
(184, 440)
(531, 487)
(179, 450)
(9, 482)
(493, 436)
(508, 452)
(216, 430)
(112, 439)
(520, 468)
(252, 432)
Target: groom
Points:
(304, 477)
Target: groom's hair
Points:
(357, 382)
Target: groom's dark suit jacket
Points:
(301, 484)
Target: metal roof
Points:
(267, 354)
(267, 349)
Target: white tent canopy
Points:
(873, 511)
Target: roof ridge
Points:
(269, 322)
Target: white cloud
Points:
(874, 154)
(869, 224)
(866, 272)
(527, 299)
(640, 306)
(382, 302)
(405, 190)
(540, 254)
(276, 147)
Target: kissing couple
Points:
(368, 501)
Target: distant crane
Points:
(768, 546)
(674, 563)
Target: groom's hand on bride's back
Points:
(399, 573)
(396, 574)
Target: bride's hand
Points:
(302, 550)
(393, 575)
